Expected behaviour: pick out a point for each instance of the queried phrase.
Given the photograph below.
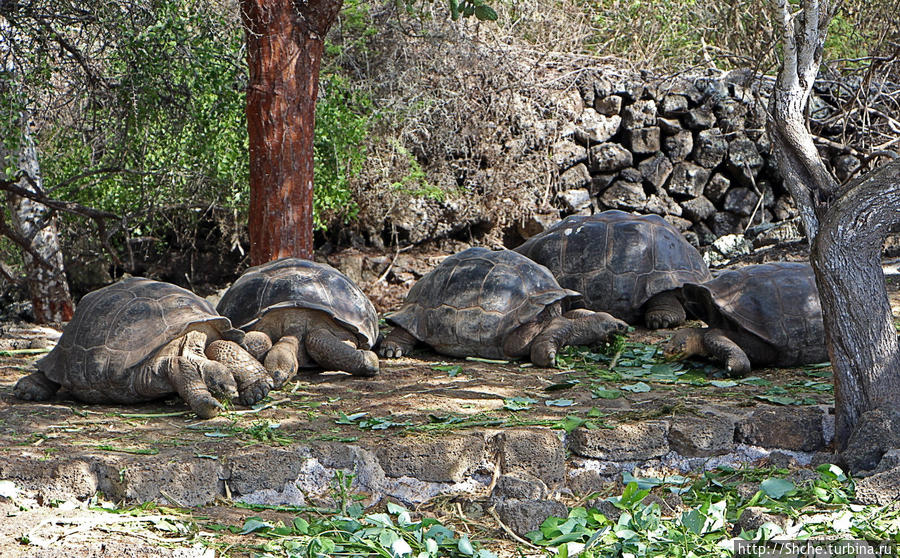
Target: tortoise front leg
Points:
(35, 387)
(334, 352)
(578, 327)
(714, 343)
(183, 374)
(253, 382)
(283, 359)
(258, 344)
(664, 310)
(398, 342)
(722, 348)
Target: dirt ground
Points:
(422, 395)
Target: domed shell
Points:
(468, 303)
(616, 260)
(297, 283)
(117, 328)
(777, 302)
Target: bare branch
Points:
(59, 205)
(22, 242)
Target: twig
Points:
(759, 201)
(487, 360)
(509, 531)
(171, 499)
(266, 406)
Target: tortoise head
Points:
(685, 343)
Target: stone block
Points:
(626, 442)
(594, 127)
(710, 148)
(575, 200)
(697, 209)
(724, 223)
(699, 118)
(655, 170)
(609, 157)
(624, 195)
(744, 160)
(519, 486)
(880, 489)
(441, 459)
(608, 105)
(716, 188)
(190, 482)
(662, 204)
(524, 516)
(687, 180)
(566, 154)
(741, 201)
(631, 174)
(791, 428)
(643, 140)
(701, 437)
(576, 177)
(669, 126)
(538, 452)
(679, 145)
(641, 114)
(674, 105)
(876, 433)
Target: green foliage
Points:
(172, 117)
(415, 182)
(819, 508)
(343, 119)
(845, 40)
(348, 531)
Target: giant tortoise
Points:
(314, 314)
(140, 339)
(760, 315)
(493, 304)
(624, 264)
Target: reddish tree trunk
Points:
(285, 41)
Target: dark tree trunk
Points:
(285, 41)
(862, 339)
(34, 229)
(846, 228)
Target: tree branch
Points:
(68, 207)
(22, 242)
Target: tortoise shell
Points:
(616, 260)
(297, 283)
(776, 302)
(469, 303)
(116, 329)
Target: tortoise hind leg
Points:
(35, 387)
(338, 352)
(664, 310)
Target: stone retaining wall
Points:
(693, 150)
(522, 472)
